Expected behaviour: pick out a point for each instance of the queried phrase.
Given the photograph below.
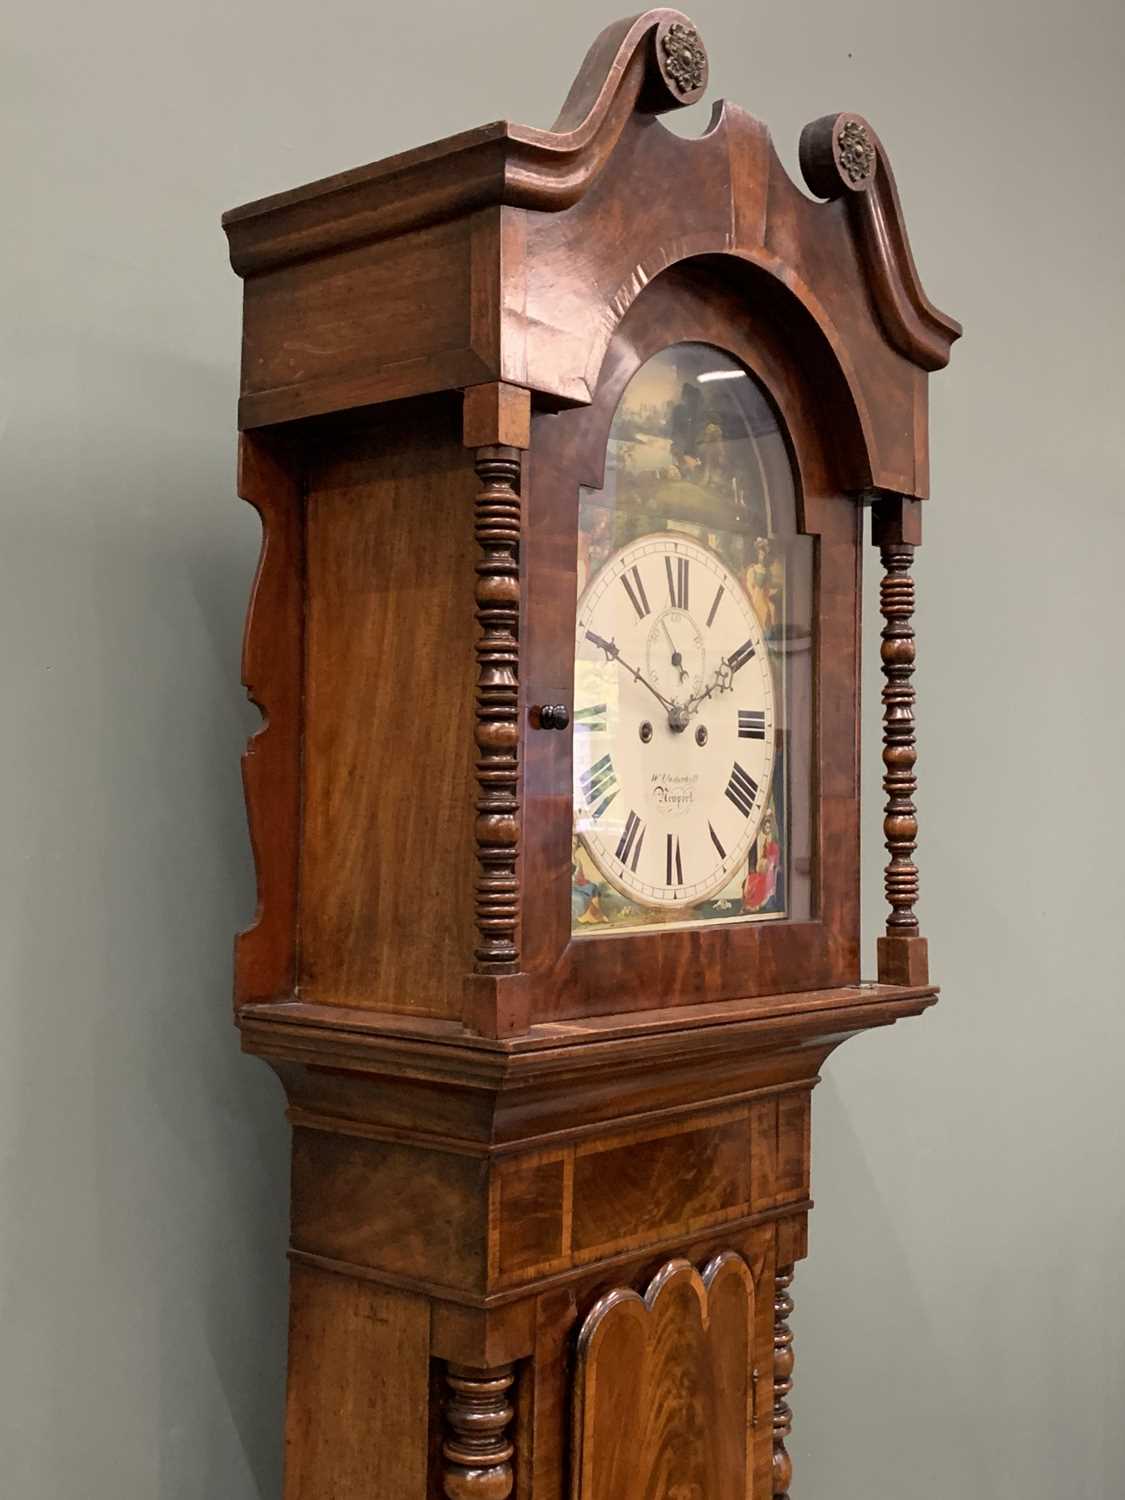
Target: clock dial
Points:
(674, 722)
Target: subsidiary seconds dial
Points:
(673, 722)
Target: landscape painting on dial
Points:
(681, 797)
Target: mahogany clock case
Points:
(557, 1184)
(551, 259)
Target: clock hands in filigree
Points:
(679, 714)
(677, 718)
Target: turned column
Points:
(896, 531)
(782, 1382)
(477, 1450)
(497, 421)
(497, 709)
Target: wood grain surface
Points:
(386, 871)
(665, 1388)
(358, 1399)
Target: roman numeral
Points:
(636, 591)
(631, 841)
(677, 581)
(715, 607)
(717, 842)
(742, 790)
(751, 724)
(591, 719)
(741, 656)
(674, 863)
(599, 784)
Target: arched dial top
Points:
(674, 722)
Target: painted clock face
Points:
(674, 721)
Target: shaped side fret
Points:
(272, 651)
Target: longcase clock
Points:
(563, 443)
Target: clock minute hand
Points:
(613, 654)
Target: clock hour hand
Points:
(613, 654)
(677, 659)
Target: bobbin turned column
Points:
(497, 713)
(896, 530)
(497, 428)
(782, 1382)
(477, 1451)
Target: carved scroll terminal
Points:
(855, 155)
(682, 58)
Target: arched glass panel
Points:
(692, 701)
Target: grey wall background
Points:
(960, 1320)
